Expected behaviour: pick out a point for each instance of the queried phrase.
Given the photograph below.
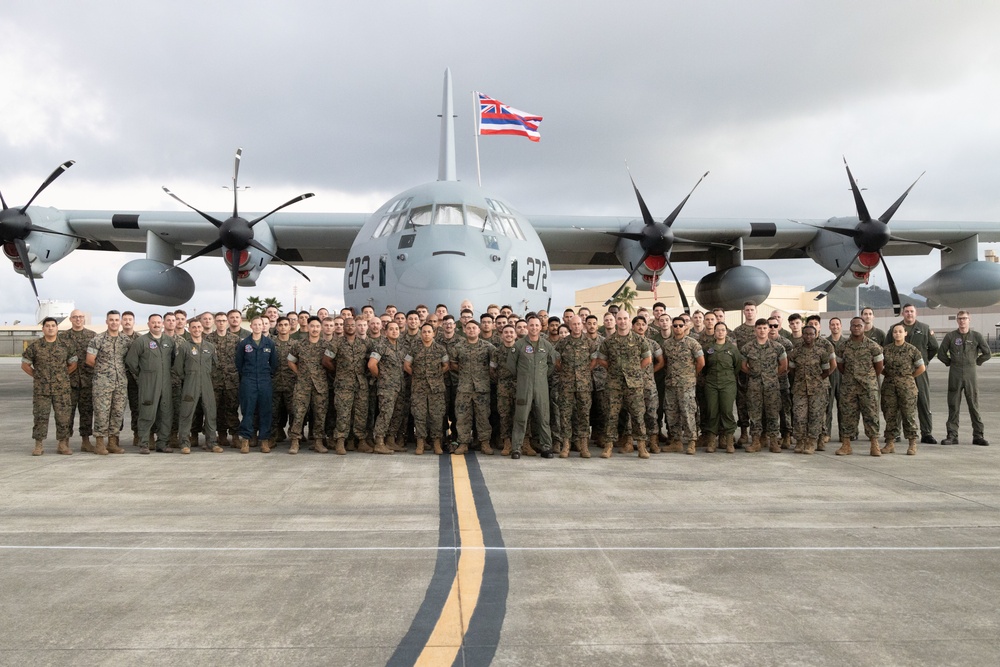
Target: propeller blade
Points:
(3, 201)
(217, 223)
(287, 203)
(707, 244)
(859, 202)
(270, 254)
(626, 235)
(48, 181)
(236, 177)
(829, 288)
(647, 217)
(892, 286)
(22, 254)
(211, 247)
(929, 244)
(631, 273)
(673, 216)
(235, 266)
(680, 290)
(45, 230)
(853, 233)
(891, 211)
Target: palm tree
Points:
(256, 306)
(626, 298)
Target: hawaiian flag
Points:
(496, 117)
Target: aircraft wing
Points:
(312, 239)
(579, 242)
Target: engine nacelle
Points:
(832, 251)
(44, 250)
(629, 253)
(968, 285)
(251, 260)
(149, 281)
(731, 288)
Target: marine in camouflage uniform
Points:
(350, 386)
(599, 399)
(449, 424)
(426, 365)
(742, 335)
(506, 381)
(283, 385)
(574, 358)
(50, 363)
(626, 354)
(393, 407)
(81, 381)
(110, 388)
(226, 385)
(762, 363)
(684, 358)
(193, 364)
(785, 383)
(472, 400)
(833, 398)
(899, 393)
(311, 358)
(860, 362)
(810, 364)
(922, 337)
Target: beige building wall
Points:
(786, 299)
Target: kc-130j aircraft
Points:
(446, 240)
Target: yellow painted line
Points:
(445, 641)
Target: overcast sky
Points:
(342, 98)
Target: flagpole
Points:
(475, 129)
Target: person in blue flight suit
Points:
(256, 363)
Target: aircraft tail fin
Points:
(446, 159)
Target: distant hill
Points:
(842, 298)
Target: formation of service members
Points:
(536, 385)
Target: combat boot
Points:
(640, 444)
(244, 446)
(744, 437)
(845, 447)
(654, 443)
(221, 440)
(318, 446)
(712, 443)
(775, 444)
(62, 447)
(800, 445)
(527, 449)
(265, 446)
(691, 447)
(608, 446)
(380, 447)
(485, 448)
(437, 447)
(351, 444)
(85, 445)
(396, 445)
(461, 450)
(626, 444)
(364, 447)
(753, 446)
(135, 438)
(730, 445)
(293, 447)
(809, 446)
(564, 452)
(193, 440)
(99, 447)
(673, 448)
(421, 443)
(875, 451)
(39, 448)
(890, 446)
(821, 444)
(339, 448)
(185, 450)
(912, 449)
(506, 447)
(584, 448)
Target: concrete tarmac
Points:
(767, 559)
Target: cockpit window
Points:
(448, 215)
(419, 217)
(478, 219)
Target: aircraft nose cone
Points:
(444, 270)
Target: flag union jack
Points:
(495, 117)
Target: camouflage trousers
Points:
(574, 408)
(599, 412)
(351, 407)
(555, 414)
(473, 407)
(329, 424)
(857, 399)
(227, 404)
(304, 398)
(633, 402)
(41, 405)
(899, 402)
(281, 410)
(82, 400)
(809, 413)
(763, 407)
(787, 415)
(392, 413)
(653, 405)
(109, 407)
(742, 410)
(427, 409)
(506, 398)
(679, 407)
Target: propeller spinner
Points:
(236, 233)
